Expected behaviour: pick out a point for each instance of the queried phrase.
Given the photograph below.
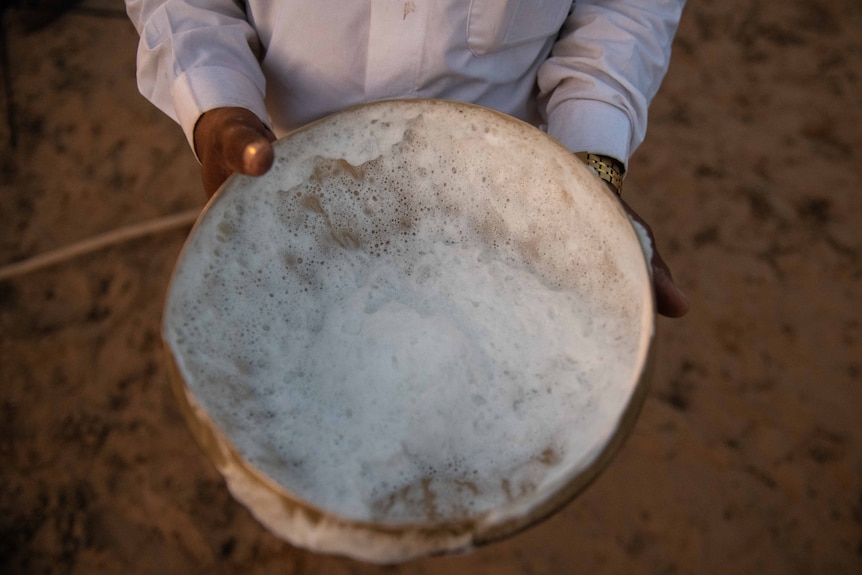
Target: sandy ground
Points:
(746, 459)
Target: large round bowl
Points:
(426, 328)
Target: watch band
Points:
(608, 169)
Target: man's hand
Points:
(670, 300)
(229, 140)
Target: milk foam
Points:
(397, 325)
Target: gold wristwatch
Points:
(609, 169)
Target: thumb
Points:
(246, 149)
(229, 140)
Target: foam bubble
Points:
(404, 324)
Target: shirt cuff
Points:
(202, 89)
(592, 126)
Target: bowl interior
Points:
(426, 313)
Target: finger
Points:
(257, 157)
(670, 300)
(229, 140)
(246, 149)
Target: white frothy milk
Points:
(403, 325)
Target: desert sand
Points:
(747, 457)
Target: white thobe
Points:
(585, 71)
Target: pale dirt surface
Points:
(747, 457)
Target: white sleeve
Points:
(194, 56)
(604, 70)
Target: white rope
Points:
(93, 244)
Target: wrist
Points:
(608, 169)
